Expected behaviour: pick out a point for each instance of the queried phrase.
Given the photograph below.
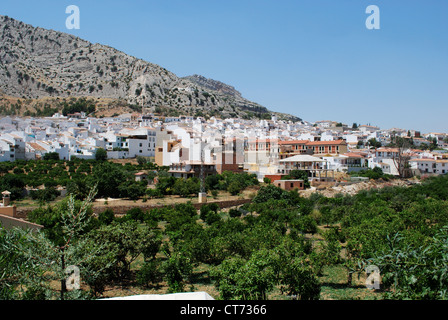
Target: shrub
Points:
(106, 217)
(150, 272)
(45, 195)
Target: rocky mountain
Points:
(37, 64)
(214, 85)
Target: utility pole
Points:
(202, 193)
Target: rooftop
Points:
(302, 158)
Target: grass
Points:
(334, 286)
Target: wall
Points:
(8, 211)
(10, 222)
(121, 210)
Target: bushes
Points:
(305, 224)
(106, 217)
(417, 272)
(207, 208)
(51, 156)
(150, 272)
(177, 268)
(45, 195)
(100, 154)
(269, 192)
(186, 187)
(113, 180)
(14, 184)
(127, 240)
(132, 190)
(264, 251)
(77, 175)
(286, 265)
(79, 105)
(231, 182)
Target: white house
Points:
(7, 151)
(434, 166)
(317, 168)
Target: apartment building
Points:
(327, 147)
(434, 166)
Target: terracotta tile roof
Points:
(319, 143)
(353, 155)
(36, 146)
(294, 142)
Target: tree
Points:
(269, 191)
(14, 184)
(414, 272)
(150, 272)
(186, 187)
(296, 271)
(45, 195)
(401, 158)
(374, 143)
(299, 281)
(51, 156)
(42, 260)
(109, 177)
(239, 279)
(226, 276)
(207, 208)
(165, 184)
(234, 188)
(298, 174)
(101, 154)
(132, 190)
(22, 277)
(141, 160)
(177, 269)
(106, 217)
(434, 144)
(127, 241)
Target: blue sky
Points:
(312, 58)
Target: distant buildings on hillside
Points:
(188, 145)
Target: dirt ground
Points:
(353, 188)
(170, 200)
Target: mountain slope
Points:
(36, 63)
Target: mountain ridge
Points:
(37, 63)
